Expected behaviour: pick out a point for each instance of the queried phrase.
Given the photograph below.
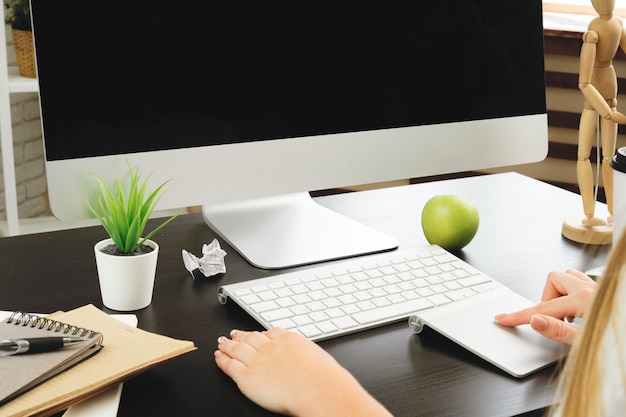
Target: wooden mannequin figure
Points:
(598, 83)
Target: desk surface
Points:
(518, 242)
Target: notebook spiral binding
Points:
(26, 319)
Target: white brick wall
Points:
(28, 153)
(28, 150)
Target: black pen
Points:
(37, 344)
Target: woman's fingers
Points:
(558, 307)
(242, 347)
(554, 329)
(563, 283)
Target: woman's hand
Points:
(566, 295)
(287, 373)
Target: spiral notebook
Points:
(127, 352)
(25, 371)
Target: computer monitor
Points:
(247, 106)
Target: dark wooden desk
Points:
(518, 242)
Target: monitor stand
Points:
(292, 230)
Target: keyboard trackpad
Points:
(518, 351)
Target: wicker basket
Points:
(25, 53)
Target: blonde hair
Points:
(583, 381)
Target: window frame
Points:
(583, 7)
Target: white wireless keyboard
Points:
(358, 293)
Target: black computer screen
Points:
(141, 75)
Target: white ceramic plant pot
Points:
(126, 282)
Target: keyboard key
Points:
(285, 324)
(317, 295)
(421, 283)
(396, 298)
(411, 295)
(347, 299)
(448, 276)
(452, 285)
(415, 265)
(299, 289)
(351, 309)
(318, 316)
(332, 303)
(406, 276)
(251, 299)
(309, 331)
(362, 296)
(419, 273)
(260, 288)
(267, 295)
(473, 280)
(301, 320)
(333, 292)
(438, 289)
(327, 327)
(363, 285)
(243, 291)
(402, 268)
(301, 299)
(283, 292)
(348, 289)
(377, 292)
(316, 306)
(460, 273)
(433, 271)
(345, 322)
(315, 286)
(285, 302)
(264, 306)
(365, 305)
(392, 289)
(381, 302)
(359, 276)
(424, 292)
(391, 311)
(279, 314)
(345, 279)
(434, 280)
(428, 261)
(334, 313)
(445, 258)
(300, 310)
(373, 273)
(392, 279)
(439, 299)
(330, 282)
(388, 270)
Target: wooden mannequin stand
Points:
(598, 83)
(575, 229)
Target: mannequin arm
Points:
(587, 61)
(622, 40)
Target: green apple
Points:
(449, 221)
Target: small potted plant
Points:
(18, 16)
(126, 261)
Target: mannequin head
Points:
(603, 6)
